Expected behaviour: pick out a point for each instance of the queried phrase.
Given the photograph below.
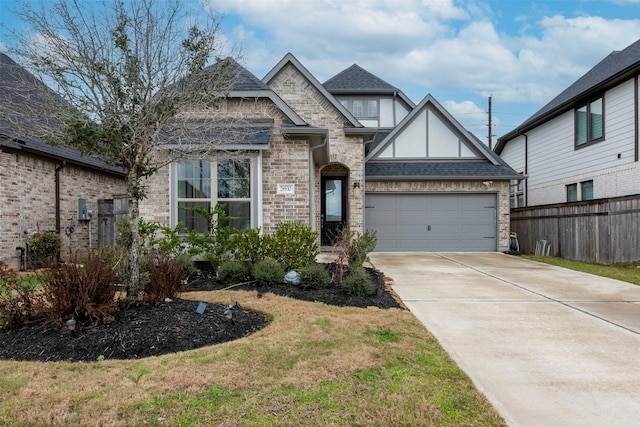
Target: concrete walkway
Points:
(547, 346)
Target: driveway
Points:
(547, 346)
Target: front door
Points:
(333, 208)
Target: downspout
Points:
(57, 183)
(57, 196)
(312, 181)
(526, 169)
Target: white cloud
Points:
(449, 48)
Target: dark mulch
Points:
(166, 328)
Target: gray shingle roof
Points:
(438, 170)
(356, 78)
(604, 74)
(243, 79)
(25, 97)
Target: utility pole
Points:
(490, 126)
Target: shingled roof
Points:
(24, 97)
(437, 170)
(616, 67)
(356, 78)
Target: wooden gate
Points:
(110, 212)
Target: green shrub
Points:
(360, 245)
(293, 244)
(232, 272)
(314, 277)
(268, 272)
(44, 248)
(216, 245)
(358, 283)
(165, 278)
(248, 245)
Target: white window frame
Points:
(213, 199)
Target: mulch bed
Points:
(166, 328)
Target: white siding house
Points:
(579, 156)
(546, 149)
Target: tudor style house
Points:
(352, 152)
(580, 154)
(45, 187)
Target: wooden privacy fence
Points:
(605, 231)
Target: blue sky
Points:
(522, 53)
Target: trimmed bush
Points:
(293, 244)
(248, 244)
(232, 272)
(314, 277)
(358, 283)
(268, 272)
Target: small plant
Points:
(19, 299)
(358, 283)
(314, 277)
(351, 249)
(44, 248)
(232, 272)
(293, 244)
(269, 272)
(216, 245)
(141, 371)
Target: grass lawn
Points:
(314, 365)
(625, 272)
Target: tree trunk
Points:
(134, 285)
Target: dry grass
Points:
(313, 365)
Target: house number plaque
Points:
(286, 189)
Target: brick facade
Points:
(348, 152)
(28, 193)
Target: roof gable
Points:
(429, 132)
(289, 59)
(356, 78)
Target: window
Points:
(516, 193)
(232, 184)
(590, 123)
(362, 108)
(572, 193)
(587, 190)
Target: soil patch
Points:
(168, 327)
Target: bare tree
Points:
(136, 88)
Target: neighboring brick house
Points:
(354, 151)
(40, 184)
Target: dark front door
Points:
(333, 207)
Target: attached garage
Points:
(454, 222)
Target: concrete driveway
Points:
(547, 346)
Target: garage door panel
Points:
(432, 222)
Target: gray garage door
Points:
(432, 222)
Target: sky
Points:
(520, 53)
